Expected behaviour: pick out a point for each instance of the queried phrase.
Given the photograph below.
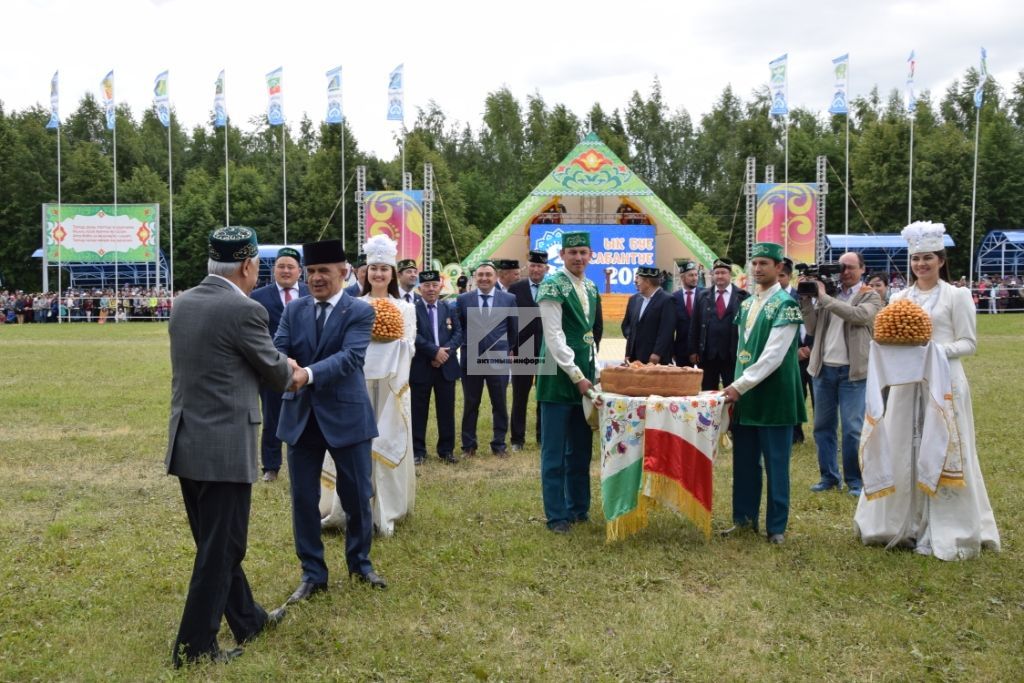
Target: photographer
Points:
(842, 324)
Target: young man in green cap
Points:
(568, 306)
(768, 397)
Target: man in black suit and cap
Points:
(435, 368)
(685, 299)
(650, 322)
(508, 273)
(275, 296)
(713, 335)
(408, 278)
(527, 344)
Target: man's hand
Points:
(584, 385)
(821, 289)
(441, 357)
(299, 377)
(731, 395)
(804, 352)
(654, 358)
(694, 358)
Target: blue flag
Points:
(841, 73)
(161, 100)
(779, 86)
(54, 121)
(275, 100)
(396, 95)
(334, 112)
(220, 111)
(107, 87)
(911, 97)
(982, 77)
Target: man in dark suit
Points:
(408, 278)
(508, 273)
(685, 299)
(327, 334)
(650, 321)
(500, 338)
(220, 351)
(434, 368)
(713, 336)
(275, 296)
(527, 344)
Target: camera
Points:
(828, 273)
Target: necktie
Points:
(533, 290)
(432, 311)
(408, 297)
(287, 295)
(720, 304)
(689, 302)
(485, 297)
(321, 318)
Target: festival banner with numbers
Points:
(799, 236)
(100, 233)
(385, 211)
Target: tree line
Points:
(483, 170)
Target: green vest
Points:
(579, 335)
(779, 399)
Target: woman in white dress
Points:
(387, 381)
(957, 521)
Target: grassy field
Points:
(97, 556)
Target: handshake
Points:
(299, 376)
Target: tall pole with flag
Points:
(840, 105)
(978, 95)
(779, 85)
(396, 112)
(911, 108)
(335, 114)
(275, 115)
(107, 86)
(54, 122)
(220, 120)
(162, 104)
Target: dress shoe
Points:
(447, 458)
(824, 486)
(274, 617)
(270, 475)
(517, 447)
(559, 527)
(854, 491)
(371, 577)
(305, 591)
(225, 656)
(499, 452)
(468, 453)
(737, 529)
(776, 539)
(418, 461)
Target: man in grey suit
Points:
(220, 350)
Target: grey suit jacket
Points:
(220, 350)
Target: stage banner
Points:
(798, 238)
(618, 251)
(385, 211)
(92, 233)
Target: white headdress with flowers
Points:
(922, 236)
(380, 249)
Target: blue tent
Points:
(883, 253)
(1001, 253)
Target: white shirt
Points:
(644, 300)
(554, 337)
(774, 352)
(834, 352)
(331, 303)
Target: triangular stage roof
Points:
(590, 173)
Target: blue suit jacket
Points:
(338, 394)
(449, 333)
(502, 337)
(271, 300)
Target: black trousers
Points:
(521, 386)
(218, 514)
(444, 396)
(716, 369)
(270, 445)
(472, 392)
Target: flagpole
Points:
(117, 291)
(401, 234)
(785, 226)
(343, 182)
(284, 180)
(59, 213)
(227, 183)
(910, 177)
(170, 204)
(974, 194)
(846, 180)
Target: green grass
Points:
(97, 556)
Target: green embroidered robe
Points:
(578, 328)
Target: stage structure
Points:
(790, 214)
(103, 245)
(406, 216)
(885, 252)
(1001, 254)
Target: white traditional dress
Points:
(957, 521)
(386, 369)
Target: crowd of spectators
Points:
(85, 305)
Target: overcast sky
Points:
(456, 52)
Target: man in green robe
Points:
(568, 307)
(768, 397)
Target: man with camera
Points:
(841, 318)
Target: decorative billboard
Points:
(618, 251)
(101, 233)
(798, 238)
(385, 212)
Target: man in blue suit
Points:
(283, 290)
(327, 335)
(434, 368)
(500, 338)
